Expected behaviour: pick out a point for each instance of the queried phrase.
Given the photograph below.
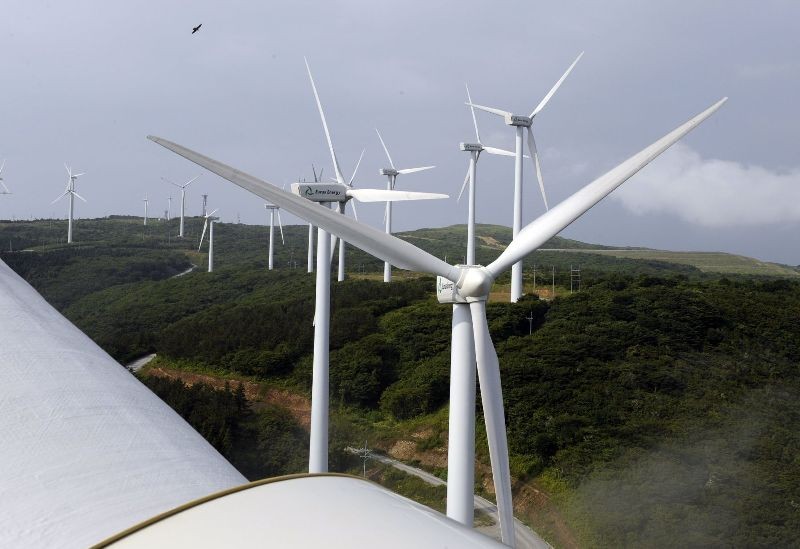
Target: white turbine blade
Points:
(355, 171)
(385, 149)
(353, 207)
(414, 170)
(190, 182)
(381, 195)
(554, 221)
(280, 226)
(501, 152)
(535, 156)
(69, 171)
(547, 97)
(472, 110)
(79, 196)
(339, 176)
(3, 165)
(76, 175)
(170, 182)
(7, 191)
(383, 246)
(494, 417)
(492, 110)
(65, 193)
(203, 234)
(464, 186)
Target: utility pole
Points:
(364, 454)
(553, 294)
(534, 278)
(529, 318)
(574, 279)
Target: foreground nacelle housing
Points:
(321, 192)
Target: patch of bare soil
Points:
(492, 242)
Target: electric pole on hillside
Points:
(553, 294)
(574, 279)
(364, 454)
(534, 278)
(529, 318)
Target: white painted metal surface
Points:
(316, 511)
(87, 450)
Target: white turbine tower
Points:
(169, 207)
(145, 209)
(392, 174)
(475, 150)
(519, 122)
(468, 284)
(209, 224)
(4, 190)
(183, 198)
(70, 190)
(273, 209)
(317, 179)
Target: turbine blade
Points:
(547, 97)
(492, 110)
(500, 152)
(385, 247)
(385, 149)
(7, 191)
(280, 226)
(213, 212)
(65, 193)
(554, 221)
(382, 195)
(3, 165)
(203, 234)
(535, 155)
(413, 170)
(78, 174)
(464, 186)
(353, 207)
(355, 171)
(79, 196)
(69, 171)
(190, 182)
(339, 176)
(472, 110)
(170, 182)
(494, 417)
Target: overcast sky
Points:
(84, 82)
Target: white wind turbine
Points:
(70, 190)
(311, 227)
(273, 209)
(209, 224)
(461, 284)
(519, 122)
(145, 209)
(475, 150)
(392, 174)
(183, 199)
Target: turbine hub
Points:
(475, 282)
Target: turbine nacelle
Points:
(518, 120)
(321, 192)
(389, 171)
(476, 147)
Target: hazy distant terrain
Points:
(656, 407)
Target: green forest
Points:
(657, 407)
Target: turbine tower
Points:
(169, 207)
(392, 174)
(209, 224)
(70, 190)
(469, 284)
(145, 209)
(317, 179)
(205, 201)
(273, 209)
(183, 198)
(519, 122)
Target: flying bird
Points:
(197, 28)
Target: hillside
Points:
(659, 403)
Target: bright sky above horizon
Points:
(84, 82)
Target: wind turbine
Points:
(317, 179)
(461, 284)
(145, 209)
(70, 190)
(273, 209)
(183, 198)
(169, 207)
(392, 174)
(519, 122)
(475, 150)
(209, 224)
(5, 189)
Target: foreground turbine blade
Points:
(494, 417)
(535, 155)
(414, 170)
(339, 176)
(553, 90)
(383, 246)
(385, 149)
(492, 110)
(554, 221)
(381, 195)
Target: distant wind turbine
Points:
(183, 198)
(2, 184)
(70, 190)
(273, 209)
(209, 224)
(519, 122)
(145, 209)
(392, 174)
